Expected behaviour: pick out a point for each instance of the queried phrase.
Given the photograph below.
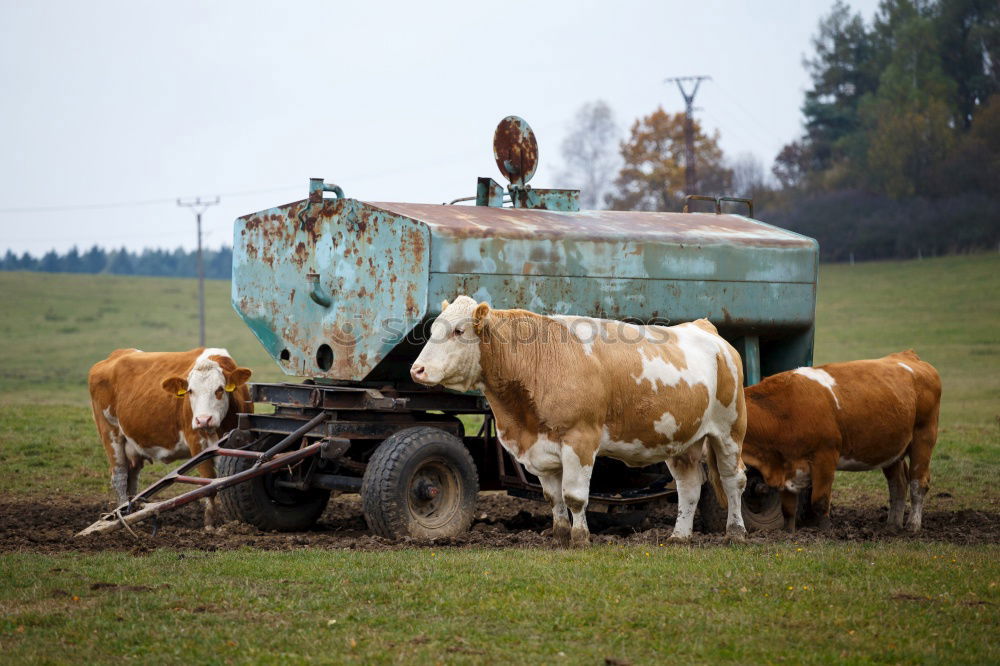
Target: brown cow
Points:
(139, 405)
(804, 424)
(566, 389)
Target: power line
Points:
(690, 173)
(135, 204)
(97, 206)
(736, 102)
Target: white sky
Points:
(119, 102)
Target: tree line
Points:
(167, 263)
(900, 156)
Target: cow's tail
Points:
(713, 475)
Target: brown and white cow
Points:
(162, 406)
(804, 424)
(566, 389)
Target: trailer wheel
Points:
(761, 506)
(420, 482)
(264, 505)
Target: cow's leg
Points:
(119, 467)
(114, 449)
(578, 452)
(119, 482)
(895, 476)
(133, 477)
(687, 472)
(552, 489)
(734, 482)
(789, 507)
(920, 472)
(823, 468)
(207, 471)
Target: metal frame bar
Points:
(122, 516)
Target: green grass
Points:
(55, 327)
(895, 602)
(947, 309)
(907, 603)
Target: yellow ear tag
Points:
(181, 393)
(230, 388)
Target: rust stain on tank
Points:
(301, 255)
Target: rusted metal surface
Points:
(537, 199)
(489, 193)
(333, 294)
(507, 223)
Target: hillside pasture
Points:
(503, 593)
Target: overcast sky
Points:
(133, 104)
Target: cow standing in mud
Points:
(163, 406)
(566, 389)
(805, 424)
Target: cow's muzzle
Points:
(419, 374)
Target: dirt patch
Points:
(501, 522)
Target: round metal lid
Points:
(515, 150)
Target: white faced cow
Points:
(566, 389)
(164, 406)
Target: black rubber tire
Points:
(405, 463)
(760, 513)
(260, 504)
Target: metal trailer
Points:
(342, 291)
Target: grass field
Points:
(894, 602)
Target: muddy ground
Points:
(49, 526)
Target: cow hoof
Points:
(561, 533)
(580, 539)
(824, 523)
(893, 528)
(913, 527)
(736, 534)
(679, 538)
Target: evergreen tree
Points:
(94, 260)
(72, 262)
(120, 263)
(50, 263)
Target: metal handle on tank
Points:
(316, 189)
(316, 292)
(718, 202)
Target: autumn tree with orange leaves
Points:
(652, 175)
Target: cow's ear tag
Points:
(181, 393)
(230, 388)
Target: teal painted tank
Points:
(341, 289)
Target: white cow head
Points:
(207, 387)
(451, 356)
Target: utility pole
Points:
(199, 207)
(690, 171)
